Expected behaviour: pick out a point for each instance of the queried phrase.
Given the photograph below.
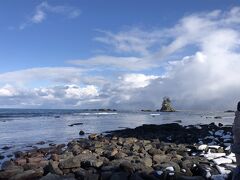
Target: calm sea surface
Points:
(20, 129)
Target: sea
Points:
(22, 129)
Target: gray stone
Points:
(28, 175)
(10, 172)
(158, 159)
(53, 168)
(70, 163)
(147, 161)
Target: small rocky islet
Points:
(148, 152)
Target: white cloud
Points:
(44, 8)
(133, 41)
(131, 63)
(67, 96)
(132, 81)
(38, 17)
(7, 91)
(200, 55)
(73, 91)
(206, 78)
(54, 74)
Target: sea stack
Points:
(166, 105)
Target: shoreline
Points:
(145, 152)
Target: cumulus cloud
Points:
(132, 81)
(200, 55)
(195, 62)
(68, 96)
(8, 91)
(44, 8)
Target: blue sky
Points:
(85, 48)
(58, 38)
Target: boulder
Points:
(53, 168)
(28, 175)
(166, 105)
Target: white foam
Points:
(105, 113)
(154, 114)
(84, 114)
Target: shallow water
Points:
(22, 128)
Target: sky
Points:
(119, 54)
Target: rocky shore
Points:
(148, 152)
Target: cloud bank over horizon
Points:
(195, 62)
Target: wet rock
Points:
(8, 165)
(120, 155)
(6, 148)
(55, 157)
(20, 161)
(81, 133)
(93, 162)
(93, 136)
(28, 175)
(75, 124)
(204, 170)
(158, 159)
(166, 105)
(34, 159)
(10, 172)
(40, 143)
(182, 177)
(154, 151)
(9, 155)
(147, 161)
(53, 168)
(2, 157)
(70, 163)
(220, 124)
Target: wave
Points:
(154, 114)
(105, 113)
(95, 113)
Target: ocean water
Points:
(22, 128)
